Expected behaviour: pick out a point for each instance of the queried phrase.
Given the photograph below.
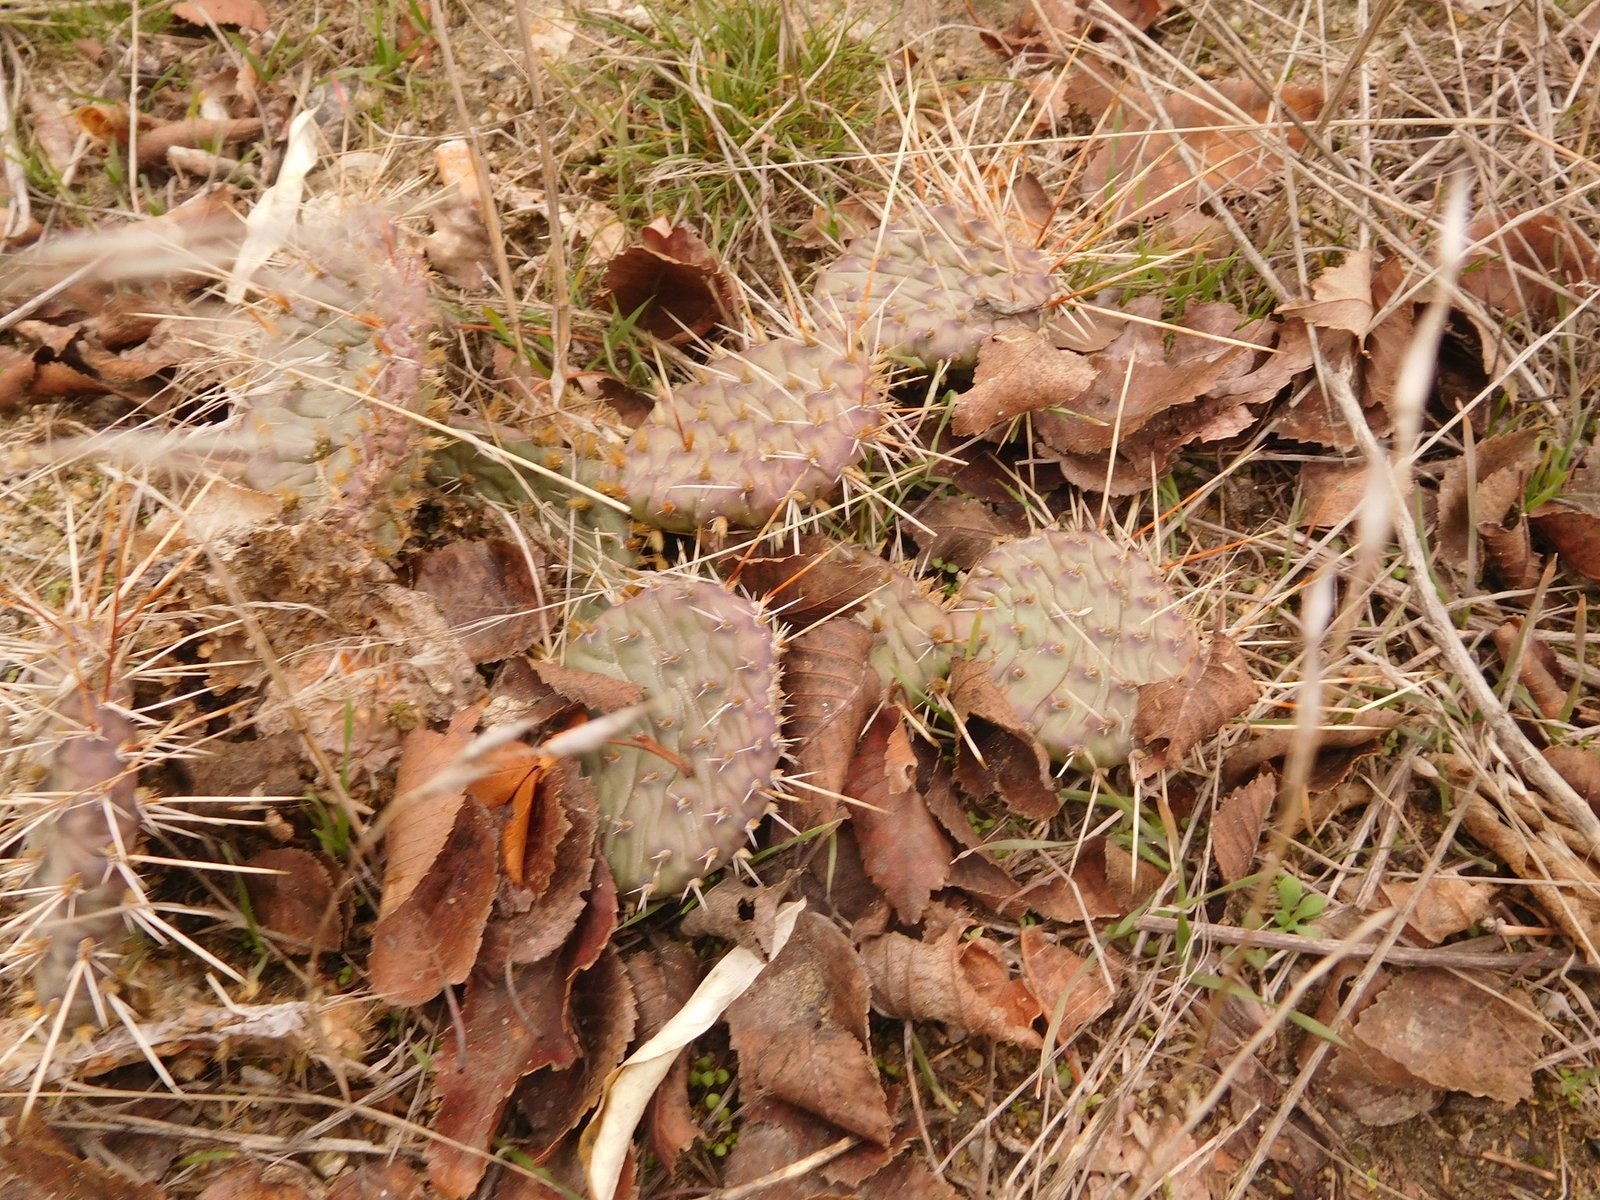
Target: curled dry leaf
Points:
(299, 902)
(419, 829)
(904, 852)
(801, 1032)
(1446, 905)
(1020, 372)
(1175, 716)
(672, 280)
(831, 690)
(196, 133)
(487, 595)
(1539, 671)
(962, 983)
(1236, 828)
(1013, 764)
(663, 979)
(1235, 134)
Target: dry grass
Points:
(1437, 111)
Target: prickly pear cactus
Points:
(912, 635)
(592, 533)
(708, 663)
(328, 370)
(933, 289)
(756, 430)
(1070, 624)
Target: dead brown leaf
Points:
(1341, 297)
(432, 940)
(196, 133)
(1052, 29)
(831, 690)
(300, 903)
(35, 1164)
(1341, 738)
(1072, 990)
(516, 1023)
(801, 1032)
(1236, 828)
(1015, 766)
(1175, 716)
(673, 281)
(245, 14)
(813, 578)
(1447, 905)
(1480, 497)
(1143, 170)
(378, 1181)
(530, 787)
(1571, 521)
(960, 982)
(488, 596)
(418, 830)
(1020, 372)
(959, 530)
(1580, 768)
(1453, 1033)
(1528, 262)
(901, 846)
(1332, 492)
(254, 1181)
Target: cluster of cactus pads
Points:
(1069, 624)
(680, 805)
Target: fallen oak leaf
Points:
(1072, 990)
(1341, 297)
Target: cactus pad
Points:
(753, 431)
(328, 372)
(933, 290)
(912, 635)
(708, 663)
(1070, 624)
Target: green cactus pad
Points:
(1070, 624)
(912, 635)
(932, 290)
(754, 431)
(708, 663)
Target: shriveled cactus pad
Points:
(753, 431)
(708, 663)
(1069, 625)
(933, 289)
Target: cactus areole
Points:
(680, 805)
(1070, 624)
